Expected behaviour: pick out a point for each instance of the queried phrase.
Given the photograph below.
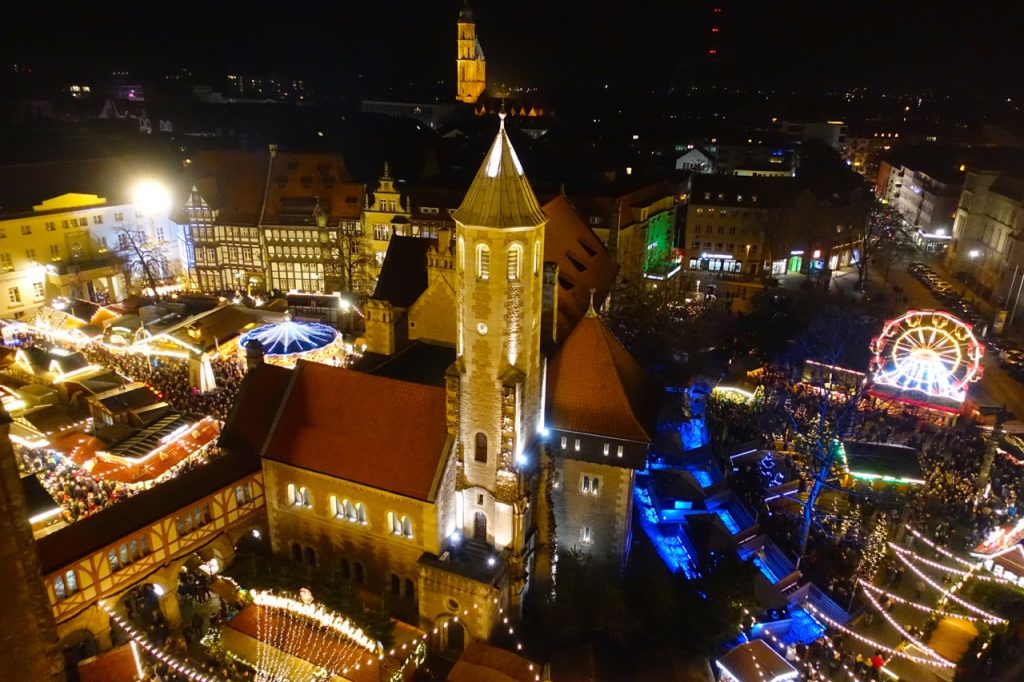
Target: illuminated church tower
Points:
(472, 67)
(498, 375)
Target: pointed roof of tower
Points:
(500, 195)
(595, 386)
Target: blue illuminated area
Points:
(671, 548)
(766, 570)
(770, 560)
(702, 476)
(796, 627)
(803, 629)
(291, 338)
(729, 522)
(693, 433)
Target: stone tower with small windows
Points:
(498, 378)
(471, 65)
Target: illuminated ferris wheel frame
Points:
(929, 352)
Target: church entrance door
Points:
(480, 527)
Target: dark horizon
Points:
(646, 45)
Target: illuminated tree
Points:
(817, 428)
(354, 261)
(146, 262)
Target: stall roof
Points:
(885, 461)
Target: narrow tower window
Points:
(515, 257)
(483, 261)
(480, 448)
(536, 257)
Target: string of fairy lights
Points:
(139, 639)
(955, 571)
(948, 594)
(294, 630)
(290, 626)
(914, 562)
(780, 646)
(877, 645)
(878, 591)
(905, 633)
(941, 550)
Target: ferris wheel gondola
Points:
(929, 352)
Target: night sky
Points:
(908, 45)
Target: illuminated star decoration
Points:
(927, 351)
(291, 338)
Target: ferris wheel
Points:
(928, 351)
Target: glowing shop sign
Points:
(927, 351)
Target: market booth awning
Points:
(755, 661)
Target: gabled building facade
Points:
(258, 222)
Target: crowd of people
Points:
(77, 492)
(967, 491)
(170, 377)
(141, 606)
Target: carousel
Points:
(287, 342)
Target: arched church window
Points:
(515, 259)
(483, 261)
(480, 447)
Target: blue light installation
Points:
(291, 338)
(669, 547)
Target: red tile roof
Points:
(485, 663)
(116, 665)
(594, 386)
(297, 177)
(583, 262)
(377, 432)
(252, 415)
(234, 182)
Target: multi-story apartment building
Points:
(729, 220)
(270, 221)
(988, 225)
(770, 226)
(832, 133)
(638, 225)
(924, 185)
(72, 229)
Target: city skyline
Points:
(905, 47)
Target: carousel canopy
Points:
(290, 337)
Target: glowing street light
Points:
(151, 197)
(974, 253)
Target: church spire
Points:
(590, 311)
(500, 195)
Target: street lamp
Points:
(974, 253)
(151, 197)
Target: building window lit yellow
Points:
(515, 258)
(483, 261)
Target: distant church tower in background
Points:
(472, 67)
